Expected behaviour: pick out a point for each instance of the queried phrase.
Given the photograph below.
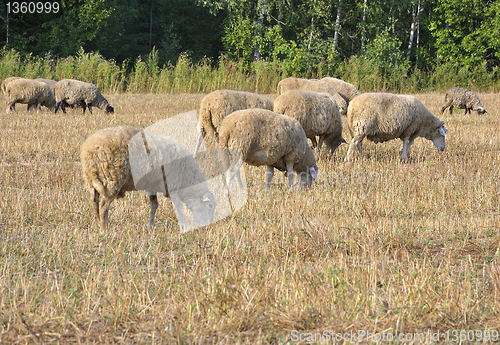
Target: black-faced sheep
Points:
(316, 112)
(215, 106)
(383, 116)
(345, 89)
(312, 85)
(263, 137)
(109, 155)
(70, 92)
(462, 99)
(31, 92)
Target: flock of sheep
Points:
(260, 131)
(53, 94)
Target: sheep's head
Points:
(480, 110)
(438, 136)
(203, 209)
(110, 109)
(307, 178)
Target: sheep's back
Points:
(105, 159)
(312, 110)
(251, 130)
(372, 114)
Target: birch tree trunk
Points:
(363, 29)
(414, 27)
(310, 34)
(258, 30)
(337, 27)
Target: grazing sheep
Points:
(462, 99)
(70, 92)
(263, 137)
(316, 112)
(383, 116)
(215, 106)
(312, 85)
(6, 81)
(345, 89)
(31, 92)
(50, 82)
(109, 156)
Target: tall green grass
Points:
(145, 75)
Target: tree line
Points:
(391, 39)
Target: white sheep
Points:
(6, 81)
(383, 116)
(215, 106)
(71, 92)
(263, 137)
(31, 92)
(52, 83)
(316, 112)
(108, 157)
(345, 89)
(462, 99)
(312, 85)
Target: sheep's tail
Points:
(206, 124)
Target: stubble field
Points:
(376, 245)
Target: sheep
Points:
(383, 116)
(316, 112)
(31, 92)
(110, 156)
(78, 93)
(215, 106)
(345, 89)
(50, 82)
(312, 85)
(263, 137)
(462, 99)
(5, 82)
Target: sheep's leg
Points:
(404, 150)
(314, 143)
(289, 169)
(355, 143)
(11, 106)
(38, 106)
(153, 204)
(94, 200)
(89, 105)
(320, 142)
(103, 213)
(269, 176)
(451, 109)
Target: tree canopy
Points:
(306, 36)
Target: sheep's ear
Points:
(441, 123)
(442, 131)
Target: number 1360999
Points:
(32, 7)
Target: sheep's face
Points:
(438, 138)
(204, 209)
(110, 109)
(306, 178)
(481, 110)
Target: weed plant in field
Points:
(375, 245)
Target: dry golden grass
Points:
(375, 245)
